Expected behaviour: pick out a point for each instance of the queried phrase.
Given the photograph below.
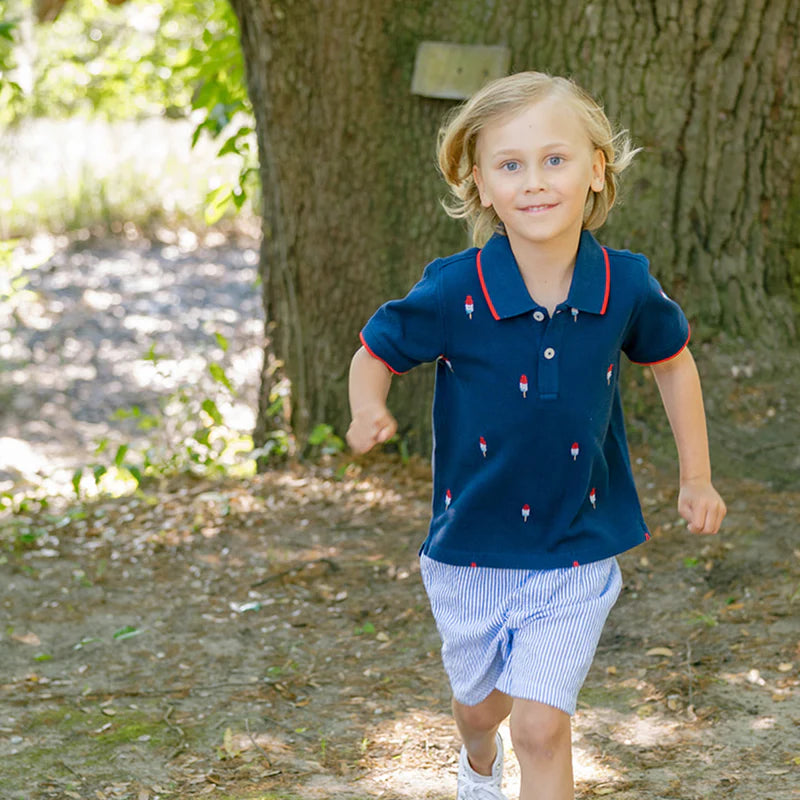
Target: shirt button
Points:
(538, 316)
(549, 353)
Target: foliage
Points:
(326, 440)
(188, 434)
(188, 64)
(10, 90)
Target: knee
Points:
(540, 735)
(482, 717)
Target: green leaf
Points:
(149, 422)
(217, 201)
(239, 197)
(210, 407)
(367, 627)
(231, 146)
(218, 374)
(201, 436)
(151, 355)
(76, 481)
(120, 456)
(320, 433)
(221, 341)
(127, 632)
(86, 640)
(6, 29)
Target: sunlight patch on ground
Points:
(167, 374)
(20, 456)
(589, 768)
(423, 750)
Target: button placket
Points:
(548, 358)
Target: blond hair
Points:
(506, 96)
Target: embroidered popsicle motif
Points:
(484, 448)
(609, 373)
(593, 498)
(448, 498)
(446, 362)
(575, 313)
(523, 385)
(469, 306)
(526, 512)
(575, 450)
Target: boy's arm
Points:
(698, 502)
(369, 387)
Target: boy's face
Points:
(536, 169)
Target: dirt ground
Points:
(269, 638)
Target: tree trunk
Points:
(351, 193)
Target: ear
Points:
(478, 178)
(598, 171)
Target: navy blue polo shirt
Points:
(530, 460)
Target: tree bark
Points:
(710, 88)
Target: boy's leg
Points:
(542, 739)
(478, 726)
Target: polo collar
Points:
(505, 290)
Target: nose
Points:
(535, 179)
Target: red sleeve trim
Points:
(668, 358)
(483, 286)
(375, 356)
(608, 282)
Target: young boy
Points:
(533, 495)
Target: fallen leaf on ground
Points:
(26, 638)
(660, 651)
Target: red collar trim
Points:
(608, 281)
(483, 286)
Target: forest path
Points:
(270, 638)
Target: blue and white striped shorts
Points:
(530, 633)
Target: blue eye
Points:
(511, 166)
(555, 161)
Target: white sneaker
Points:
(472, 786)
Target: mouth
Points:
(537, 209)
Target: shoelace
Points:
(482, 791)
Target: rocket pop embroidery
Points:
(523, 385)
(448, 498)
(575, 451)
(526, 512)
(593, 498)
(469, 306)
(575, 313)
(484, 448)
(609, 373)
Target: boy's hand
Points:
(701, 506)
(370, 426)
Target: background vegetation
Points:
(128, 88)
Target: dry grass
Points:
(66, 175)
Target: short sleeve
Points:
(408, 332)
(658, 330)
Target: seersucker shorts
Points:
(531, 634)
